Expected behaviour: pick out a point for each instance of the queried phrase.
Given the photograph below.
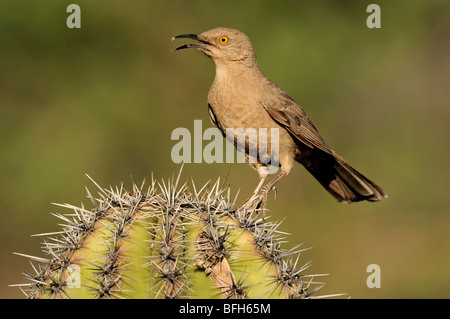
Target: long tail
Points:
(342, 181)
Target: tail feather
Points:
(358, 182)
(344, 182)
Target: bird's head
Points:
(221, 44)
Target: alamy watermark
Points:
(373, 21)
(74, 19)
(374, 279)
(73, 276)
(259, 145)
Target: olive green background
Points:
(104, 99)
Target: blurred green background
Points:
(104, 99)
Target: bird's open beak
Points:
(203, 46)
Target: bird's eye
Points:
(223, 39)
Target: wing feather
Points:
(286, 112)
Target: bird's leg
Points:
(266, 189)
(259, 197)
(255, 192)
(258, 188)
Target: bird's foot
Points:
(256, 201)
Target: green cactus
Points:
(167, 242)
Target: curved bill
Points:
(201, 46)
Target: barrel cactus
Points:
(167, 240)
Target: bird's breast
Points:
(236, 104)
(238, 110)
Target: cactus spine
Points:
(166, 242)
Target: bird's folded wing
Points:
(286, 112)
(212, 116)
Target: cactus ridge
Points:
(166, 242)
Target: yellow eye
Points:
(223, 39)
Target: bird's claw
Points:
(256, 201)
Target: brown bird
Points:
(242, 97)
